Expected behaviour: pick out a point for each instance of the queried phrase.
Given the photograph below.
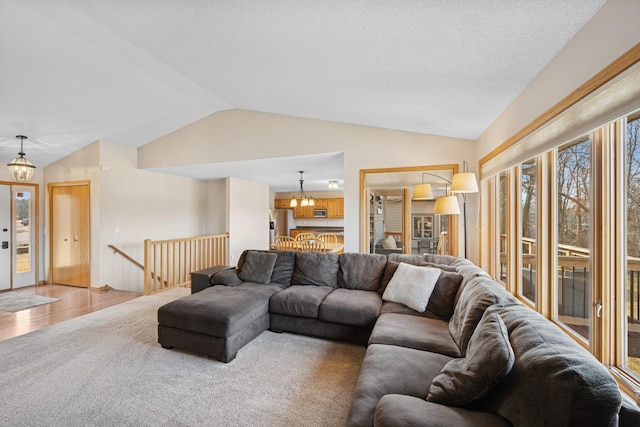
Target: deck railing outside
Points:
(573, 275)
(169, 263)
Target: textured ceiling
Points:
(75, 71)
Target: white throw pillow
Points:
(412, 286)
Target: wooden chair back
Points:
(311, 245)
(328, 238)
(304, 236)
(286, 243)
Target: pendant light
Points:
(301, 196)
(20, 168)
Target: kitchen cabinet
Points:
(335, 208)
(305, 212)
(282, 203)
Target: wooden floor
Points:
(73, 302)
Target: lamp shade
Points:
(447, 205)
(422, 192)
(21, 169)
(464, 182)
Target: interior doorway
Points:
(69, 225)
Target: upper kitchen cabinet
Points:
(335, 208)
(281, 203)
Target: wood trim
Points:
(364, 220)
(50, 187)
(624, 62)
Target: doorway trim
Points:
(36, 217)
(50, 187)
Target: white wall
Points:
(242, 135)
(136, 205)
(247, 216)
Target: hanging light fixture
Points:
(20, 168)
(301, 196)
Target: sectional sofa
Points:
(446, 345)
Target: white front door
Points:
(5, 237)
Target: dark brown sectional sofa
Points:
(474, 357)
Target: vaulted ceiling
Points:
(75, 71)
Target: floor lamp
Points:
(463, 183)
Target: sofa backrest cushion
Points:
(478, 294)
(361, 271)
(257, 267)
(282, 269)
(441, 302)
(554, 381)
(316, 268)
(489, 358)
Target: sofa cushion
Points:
(396, 410)
(257, 267)
(421, 333)
(299, 300)
(412, 286)
(283, 268)
(361, 271)
(225, 277)
(489, 358)
(570, 386)
(351, 307)
(444, 294)
(476, 296)
(394, 307)
(316, 268)
(388, 369)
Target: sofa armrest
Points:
(395, 410)
(201, 279)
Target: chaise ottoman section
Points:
(216, 321)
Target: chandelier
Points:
(301, 196)
(20, 168)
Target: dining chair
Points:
(286, 243)
(311, 245)
(328, 238)
(303, 236)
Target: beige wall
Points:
(81, 165)
(128, 205)
(242, 135)
(136, 205)
(215, 221)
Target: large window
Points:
(569, 246)
(572, 287)
(529, 229)
(632, 288)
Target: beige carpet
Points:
(106, 368)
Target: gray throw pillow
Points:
(316, 268)
(443, 298)
(258, 267)
(489, 359)
(226, 278)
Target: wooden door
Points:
(70, 233)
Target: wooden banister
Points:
(124, 254)
(175, 259)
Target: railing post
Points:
(147, 267)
